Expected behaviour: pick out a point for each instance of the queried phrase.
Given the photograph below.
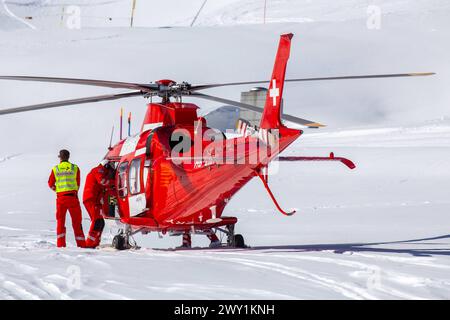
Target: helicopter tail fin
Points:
(271, 117)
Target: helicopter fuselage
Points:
(178, 174)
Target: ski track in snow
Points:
(345, 289)
(301, 269)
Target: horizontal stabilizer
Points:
(345, 161)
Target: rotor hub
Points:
(166, 82)
(168, 88)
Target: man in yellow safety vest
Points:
(65, 181)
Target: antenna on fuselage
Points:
(121, 121)
(110, 140)
(129, 124)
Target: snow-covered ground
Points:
(380, 231)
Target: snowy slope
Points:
(154, 13)
(380, 231)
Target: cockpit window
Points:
(122, 185)
(134, 177)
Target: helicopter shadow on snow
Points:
(369, 247)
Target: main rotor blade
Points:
(70, 102)
(287, 117)
(398, 75)
(87, 82)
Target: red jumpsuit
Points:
(67, 201)
(94, 200)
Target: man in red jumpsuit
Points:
(65, 181)
(98, 181)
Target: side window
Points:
(145, 176)
(134, 176)
(122, 185)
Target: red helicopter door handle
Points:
(345, 161)
(264, 181)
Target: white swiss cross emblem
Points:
(274, 93)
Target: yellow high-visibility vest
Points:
(66, 177)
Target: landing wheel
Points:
(233, 240)
(119, 242)
(239, 241)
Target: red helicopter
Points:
(177, 174)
